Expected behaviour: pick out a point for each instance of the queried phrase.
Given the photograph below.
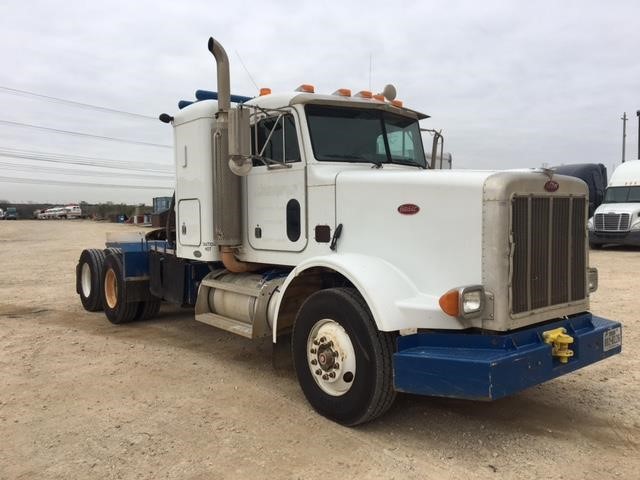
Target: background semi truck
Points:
(314, 216)
(617, 219)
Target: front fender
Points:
(393, 299)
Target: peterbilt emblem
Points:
(551, 186)
(408, 209)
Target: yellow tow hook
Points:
(560, 341)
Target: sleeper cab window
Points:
(283, 144)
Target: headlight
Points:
(472, 301)
(466, 302)
(590, 224)
(635, 226)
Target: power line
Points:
(15, 91)
(26, 169)
(86, 184)
(81, 134)
(83, 160)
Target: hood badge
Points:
(551, 186)
(408, 209)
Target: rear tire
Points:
(114, 292)
(148, 309)
(89, 272)
(342, 361)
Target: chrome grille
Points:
(549, 253)
(612, 222)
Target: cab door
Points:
(276, 186)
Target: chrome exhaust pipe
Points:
(224, 82)
(227, 210)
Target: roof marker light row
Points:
(341, 92)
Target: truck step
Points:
(225, 323)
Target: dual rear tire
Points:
(89, 274)
(101, 286)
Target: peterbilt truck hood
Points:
(426, 223)
(449, 229)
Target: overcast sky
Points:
(511, 83)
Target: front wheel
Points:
(343, 363)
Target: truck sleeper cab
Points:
(315, 216)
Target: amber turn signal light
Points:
(450, 302)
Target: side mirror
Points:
(165, 118)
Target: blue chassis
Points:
(135, 256)
(488, 367)
(475, 366)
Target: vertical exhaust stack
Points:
(227, 211)
(224, 84)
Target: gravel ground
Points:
(173, 398)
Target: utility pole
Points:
(624, 134)
(638, 113)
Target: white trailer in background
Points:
(314, 216)
(60, 213)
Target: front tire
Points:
(343, 363)
(114, 297)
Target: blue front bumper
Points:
(487, 367)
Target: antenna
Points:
(370, 69)
(247, 70)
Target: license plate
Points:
(611, 339)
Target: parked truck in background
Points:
(314, 216)
(617, 220)
(71, 211)
(11, 213)
(594, 175)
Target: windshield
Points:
(622, 195)
(343, 134)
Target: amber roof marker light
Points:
(306, 88)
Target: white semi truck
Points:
(617, 220)
(316, 216)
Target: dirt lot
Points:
(172, 398)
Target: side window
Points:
(283, 142)
(401, 144)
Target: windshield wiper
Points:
(408, 163)
(356, 158)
